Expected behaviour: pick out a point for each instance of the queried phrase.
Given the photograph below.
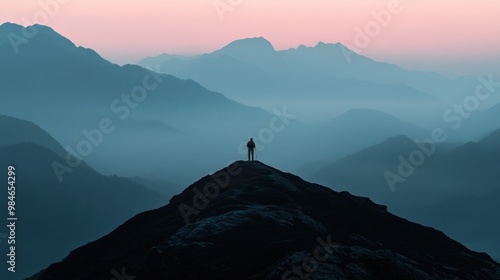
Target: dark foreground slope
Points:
(262, 223)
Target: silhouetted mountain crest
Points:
(492, 140)
(256, 222)
(253, 50)
(20, 131)
(42, 44)
(6, 28)
(256, 45)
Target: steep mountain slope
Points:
(256, 222)
(17, 131)
(56, 216)
(492, 141)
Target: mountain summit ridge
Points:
(269, 224)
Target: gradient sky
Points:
(442, 35)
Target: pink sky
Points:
(445, 32)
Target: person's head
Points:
(251, 139)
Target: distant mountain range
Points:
(72, 88)
(466, 169)
(68, 89)
(83, 81)
(322, 59)
(262, 223)
(253, 72)
(423, 187)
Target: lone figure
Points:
(251, 148)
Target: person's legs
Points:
(252, 153)
(249, 154)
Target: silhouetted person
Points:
(251, 148)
